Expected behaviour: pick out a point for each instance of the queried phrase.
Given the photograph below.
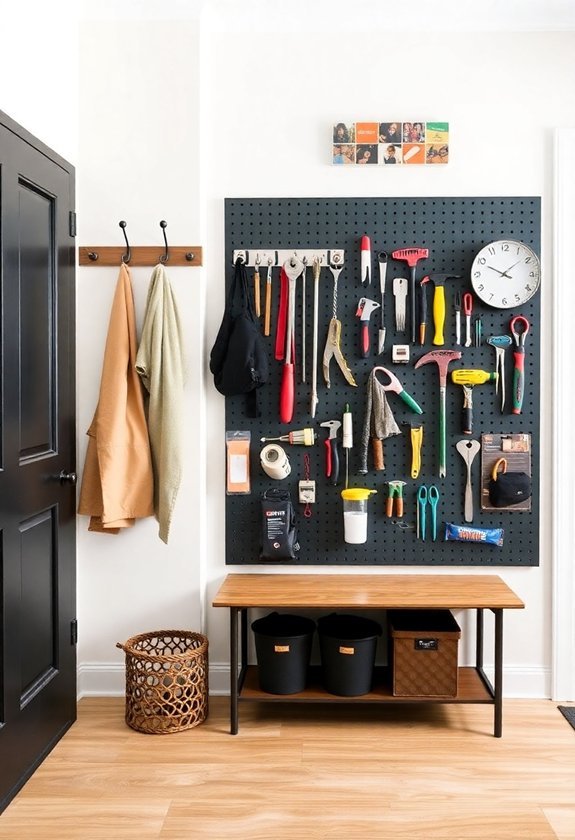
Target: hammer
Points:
(438, 281)
(468, 379)
(442, 358)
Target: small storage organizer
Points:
(347, 645)
(423, 653)
(283, 649)
(166, 681)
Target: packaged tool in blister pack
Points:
(279, 535)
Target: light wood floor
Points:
(333, 772)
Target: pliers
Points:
(395, 385)
(333, 348)
(425, 495)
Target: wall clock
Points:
(505, 273)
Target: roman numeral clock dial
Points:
(505, 274)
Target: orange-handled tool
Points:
(395, 492)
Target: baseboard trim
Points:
(101, 679)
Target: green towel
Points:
(160, 365)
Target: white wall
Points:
(140, 162)
(176, 114)
(278, 97)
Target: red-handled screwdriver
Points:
(467, 309)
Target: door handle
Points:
(67, 477)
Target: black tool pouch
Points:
(508, 488)
(279, 535)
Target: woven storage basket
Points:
(166, 681)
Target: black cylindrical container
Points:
(347, 646)
(283, 649)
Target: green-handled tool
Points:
(442, 358)
(395, 385)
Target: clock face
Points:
(505, 274)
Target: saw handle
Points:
(332, 460)
(518, 379)
(377, 449)
(439, 314)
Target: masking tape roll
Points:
(275, 462)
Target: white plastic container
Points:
(355, 514)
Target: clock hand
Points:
(502, 273)
(512, 266)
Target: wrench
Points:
(468, 449)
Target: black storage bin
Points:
(347, 646)
(283, 649)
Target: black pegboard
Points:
(453, 229)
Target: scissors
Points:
(425, 495)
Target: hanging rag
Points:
(160, 364)
(117, 483)
(379, 423)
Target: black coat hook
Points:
(128, 255)
(165, 256)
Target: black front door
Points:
(37, 454)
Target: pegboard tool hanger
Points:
(141, 255)
(272, 256)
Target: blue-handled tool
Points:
(425, 495)
(421, 512)
(395, 385)
(433, 496)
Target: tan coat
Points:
(117, 484)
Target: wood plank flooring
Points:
(316, 772)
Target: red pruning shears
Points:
(519, 358)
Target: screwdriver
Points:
(347, 439)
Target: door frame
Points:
(563, 396)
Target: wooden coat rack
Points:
(141, 255)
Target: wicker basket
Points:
(166, 681)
